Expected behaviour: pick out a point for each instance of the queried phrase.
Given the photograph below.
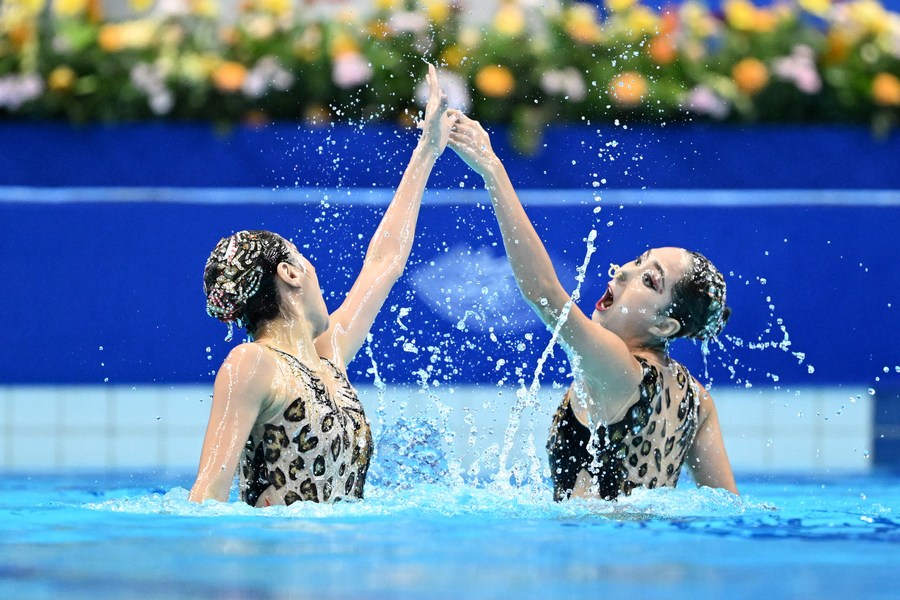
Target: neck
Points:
(657, 347)
(294, 336)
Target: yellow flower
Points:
(29, 7)
(229, 76)
(628, 88)
(619, 5)
(438, 10)
(388, 4)
(279, 8)
(61, 79)
(140, 5)
(641, 20)
(69, 8)
(582, 25)
(510, 20)
(495, 81)
(740, 14)
(871, 15)
(453, 56)
(698, 19)
(750, 76)
(342, 44)
(206, 8)
(816, 7)
(886, 90)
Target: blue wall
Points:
(126, 276)
(288, 156)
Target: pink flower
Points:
(704, 101)
(350, 70)
(799, 68)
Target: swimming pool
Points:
(128, 535)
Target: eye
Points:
(639, 260)
(647, 278)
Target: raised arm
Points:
(392, 242)
(243, 386)
(608, 367)
(707, 459)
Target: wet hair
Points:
(699, 301)
(239, 279)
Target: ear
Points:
(290, 275)
(666, 328)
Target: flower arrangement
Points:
(529, 65)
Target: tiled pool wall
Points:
(805, 430)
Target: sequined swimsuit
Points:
(645, 448)
(317, 449)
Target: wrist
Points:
(425, 151)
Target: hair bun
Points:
(232, 275)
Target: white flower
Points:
(408, 22)
(16, 90)
(453, 85)
(567, 82)
(351, 70)
(149, 79)
(266, 73)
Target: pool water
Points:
(126, 535)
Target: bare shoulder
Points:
(249, 367)
(706, 404)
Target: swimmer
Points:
(283, 412)
(633, 415)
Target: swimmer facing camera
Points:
(633, 415)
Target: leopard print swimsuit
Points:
(645, 448)
(317, 449)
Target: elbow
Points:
(538, 293)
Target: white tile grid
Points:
(46, 427)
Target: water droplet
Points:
(871, 391)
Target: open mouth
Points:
(606, 300)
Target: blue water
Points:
(122, 535)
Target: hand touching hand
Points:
(472, 143)
(438, 120)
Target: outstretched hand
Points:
(472, 143)
(438, 120)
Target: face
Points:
(313, 300)
(639, 294)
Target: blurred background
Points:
(135, 134)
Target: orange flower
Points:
(837, 47)
(378, 29)
(495, 81)
(628, 89)
(61, 79)
(20, 35)
(886, 90)
(661, 50)
(750, 75)
(582, 24)
(110, 38)
(229, 76)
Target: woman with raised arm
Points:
(283, 407)
(633, 415)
